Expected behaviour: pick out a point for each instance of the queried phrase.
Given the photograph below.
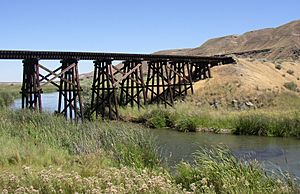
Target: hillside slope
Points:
(267, 66)
(282, 42)
(256, 81)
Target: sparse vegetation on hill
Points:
(290, 86)
(253, 82)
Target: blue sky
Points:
(134, 26)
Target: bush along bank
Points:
(240, 123)
(41, 153)
(186, 122)
(268, 125)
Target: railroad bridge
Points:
(139, 80)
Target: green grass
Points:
(280, 125)
(216, 170)
(46, 130)
(8, 92)
(282, 119)
(35, 146)
(185, 120)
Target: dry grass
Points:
(247, 80)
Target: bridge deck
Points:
(55, 55)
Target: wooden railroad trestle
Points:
(162, 83)
(141, 79)
(112, 86)
(69, 101)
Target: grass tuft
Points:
(216, 170)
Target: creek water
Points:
(272, 152)
(278, 154)
(49, 102)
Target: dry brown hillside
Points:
(268, 63)
(253, 81)
(282, 42)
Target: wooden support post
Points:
(144, 93)
(31, 91)
(205, 70)
(104, 100)
(163, 81)
(169, 88)
(157, 67)
(208, 70)
(180, 76)
(189, 67)
(70, 91)
(200, 71)
(158, 82)
(132, 84)
(179, 72)
(187, 83)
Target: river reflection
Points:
(49, 102)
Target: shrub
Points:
(291, 72)
(290, 86)
(159, 118)
(253, 124)
(278, 66)
(268, 125)
(6, 98)
(187, 124)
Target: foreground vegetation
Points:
(41, 153)
(216, 170)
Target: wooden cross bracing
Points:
(70, 102)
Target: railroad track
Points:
(58, 55)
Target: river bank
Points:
(251, 122)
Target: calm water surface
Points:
(49, 102)
(271, 152)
